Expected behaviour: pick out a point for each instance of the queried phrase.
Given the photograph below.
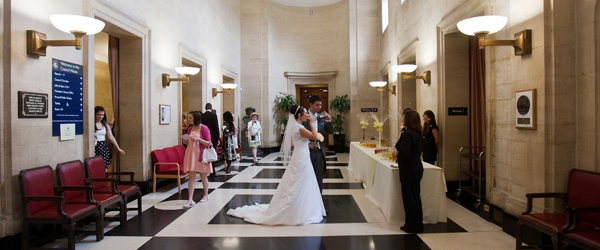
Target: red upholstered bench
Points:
(583, 192)
(168, 163)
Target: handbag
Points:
(209, 155)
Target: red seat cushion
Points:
(124, 189)
(101, 199)
(38, 182)
(71, 174)
(555, 221)
(181, 150)
(589, 238)
(71, 210)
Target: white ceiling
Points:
(307, 3)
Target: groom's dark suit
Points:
(317, 154)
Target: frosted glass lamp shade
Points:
(404, 68)
(187, 70)
(75, 23)
(482, 24)
(377, 84)
(228, 85)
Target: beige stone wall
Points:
(208, 28)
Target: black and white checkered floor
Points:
(353, 222)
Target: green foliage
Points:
(285, 101)
(340, 104)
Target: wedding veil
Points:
(286, 146)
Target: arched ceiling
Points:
(306, 3)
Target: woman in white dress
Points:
(297, 200)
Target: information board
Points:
(67, 95)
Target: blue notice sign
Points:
(67, 95)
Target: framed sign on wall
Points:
(525, 104)
(164, 114)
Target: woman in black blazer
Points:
(408, 150)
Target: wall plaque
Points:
(368, 109)
(33, 105)
(457, 111)
(525, 104)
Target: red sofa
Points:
(168, 163)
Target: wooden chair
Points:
(587, 240)
(71, 174)
(41, 204)
(583, 191)
(168, 163)
(94, 168)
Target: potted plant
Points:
(339, 104)
(283, 102)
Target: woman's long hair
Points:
(103, 121)
(197, 117)
(228, 118)
(432, 122)
(412, 121)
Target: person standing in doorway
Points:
(317, 150)
(408, 151)
(210, 120)
(254, 131)
(102, 131)
(431, 137)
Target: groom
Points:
(317, 149)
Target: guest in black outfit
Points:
(408, 150)
(211, 120)
(431, 137)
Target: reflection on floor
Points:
(353, 221)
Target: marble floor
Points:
(353, 221)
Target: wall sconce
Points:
(483, 25)
(76, 25)
(379, 86)
(407, 68)
(226, 88)
(185, 71)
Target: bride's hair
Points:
(296, 110)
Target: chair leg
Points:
(557, 242)
(25, 235)
(123, 216)
(71, 235)
(99, 227)
(139, 198)
(154, 184)
(519, 235)
(179, 184)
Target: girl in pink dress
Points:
(192, 162)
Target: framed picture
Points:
(525, 104)
(164, 114)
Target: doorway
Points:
(304, 92)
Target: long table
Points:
(382, 186)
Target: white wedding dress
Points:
(297, 200)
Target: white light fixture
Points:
(483, 25)
(379, 86)
(226, 88)
(79, 26)
(408, 68)
(185, 71)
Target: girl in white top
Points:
(254, 131)
(102, 131)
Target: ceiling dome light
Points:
(404, 68)
(75, 23)
(377, 84)
(482, 24)
(187, 70)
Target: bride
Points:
(297, 200)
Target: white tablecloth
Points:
(382, 186)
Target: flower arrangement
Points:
(320, 137)
(364, 122)
(379, 125)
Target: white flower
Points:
(320, 137)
